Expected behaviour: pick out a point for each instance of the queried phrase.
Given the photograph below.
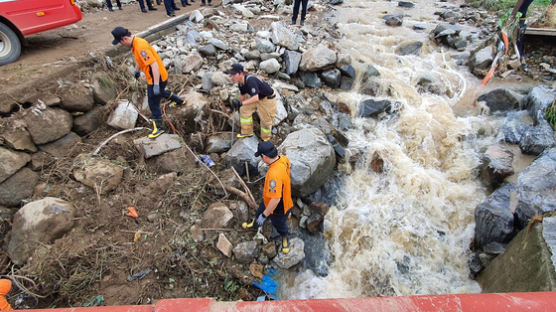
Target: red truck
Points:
(20, 18)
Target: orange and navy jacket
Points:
(145, 55)
(277, 184)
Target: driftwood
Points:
(251, 203)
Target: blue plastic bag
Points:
(268, 285)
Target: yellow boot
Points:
(157, 129)
(285, 245)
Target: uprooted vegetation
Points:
(126, 260)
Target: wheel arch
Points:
(7, 22)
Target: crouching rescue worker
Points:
(151, 65)
(256, 96)
(277, 199)
(5, 287)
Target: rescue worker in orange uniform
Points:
(151, 65)
(277, 199)
(256, 96)
(5, 287)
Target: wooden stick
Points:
(243, 185)
(242, 195)
(247, 172)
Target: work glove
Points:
(156, 89)
(236, 103)
(136, 74)
(260, 220)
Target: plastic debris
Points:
(207, 160)
(96, 301)
(139, 275)
(132, 212)
(268, 285)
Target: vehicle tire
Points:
(10, 46)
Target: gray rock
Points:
(63, 146)
(317, 58)
(124, 116)
(292, 60)
(88, 122)
(496, 165)
(17, 137)
(244, 150)
(39, 222)
(77, 98)
(537, 139)
(192, 63)
(514, 126)
(104, 88)
(312, 158)
(11, 162)
(349, 71)
(393, 20)
(264, 46)
(535, 188)
(162, 144)
(538, 100)
(310, 79)
(172, 161)
(494, 220)
(246, 252)
(101, 175)
(295, 256)
(282, 36)
(371, 108)
(501, 100)
(409, 48)
(332, 78)
(219, 44)
(18, 187)
(217, 215)
(219, 143)
(270, 66)
(47, 125)
(207, 50)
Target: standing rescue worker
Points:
(256, 96)
(151, 65)
(277, 199)
(5, 287)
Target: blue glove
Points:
(136, 74)
(260, 220)
(156, 90)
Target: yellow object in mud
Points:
(246, 225)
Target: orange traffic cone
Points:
(5, 287)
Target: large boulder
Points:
(527, 264)
(536, 188)
(295, 256)
(124, 116)
(63, 146)
(312, 158)
(104, 88)
(494, 220)
(39, 222)
(281, 35)
(501, 100)
(48, 124)
(89, 121)
(317, 58)
(18, 187)
(11, 162)
(218, 215)
(77, 98)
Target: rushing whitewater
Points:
(407, 230)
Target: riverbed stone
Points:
(496, 165)
(292, 60)
(16, 137)
(538, 100)
(77, 98)
(39, 222)
(535, 188)
(63, 146)
(124, 116)
(295, 256)
(312, 158)
(245, 252)
(282, 36)
(104, 88)
(527, 264)
(317, 58)
(537, 139)
(88, 122)
(501, 99)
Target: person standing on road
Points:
(170, 6)
(149, 5)
(296, 4)
(277, 199)
(151, 65)
(109, 5)
(256, 96)
(203, 2)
